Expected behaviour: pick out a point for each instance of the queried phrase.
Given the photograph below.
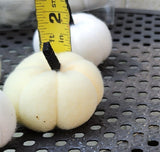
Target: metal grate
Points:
(127, 119)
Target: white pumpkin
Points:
(45, 98)
(90, 38)
(7, 120)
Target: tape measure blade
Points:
(53, 18)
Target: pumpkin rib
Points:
(97, 84)
(41, 116)
(19, 84)
(98, 98)
(67, 122)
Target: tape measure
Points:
(53, 19)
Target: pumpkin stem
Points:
(51, 57)
(70, 13)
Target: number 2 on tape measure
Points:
(53, 18)
(58, 20)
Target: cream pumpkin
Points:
(45, 98)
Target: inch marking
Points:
(53, 18)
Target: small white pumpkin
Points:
(44, 98)
(90, 38)
(7, 120)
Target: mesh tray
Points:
(128, 118)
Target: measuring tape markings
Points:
(53, 24)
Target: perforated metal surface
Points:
(128, 118)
